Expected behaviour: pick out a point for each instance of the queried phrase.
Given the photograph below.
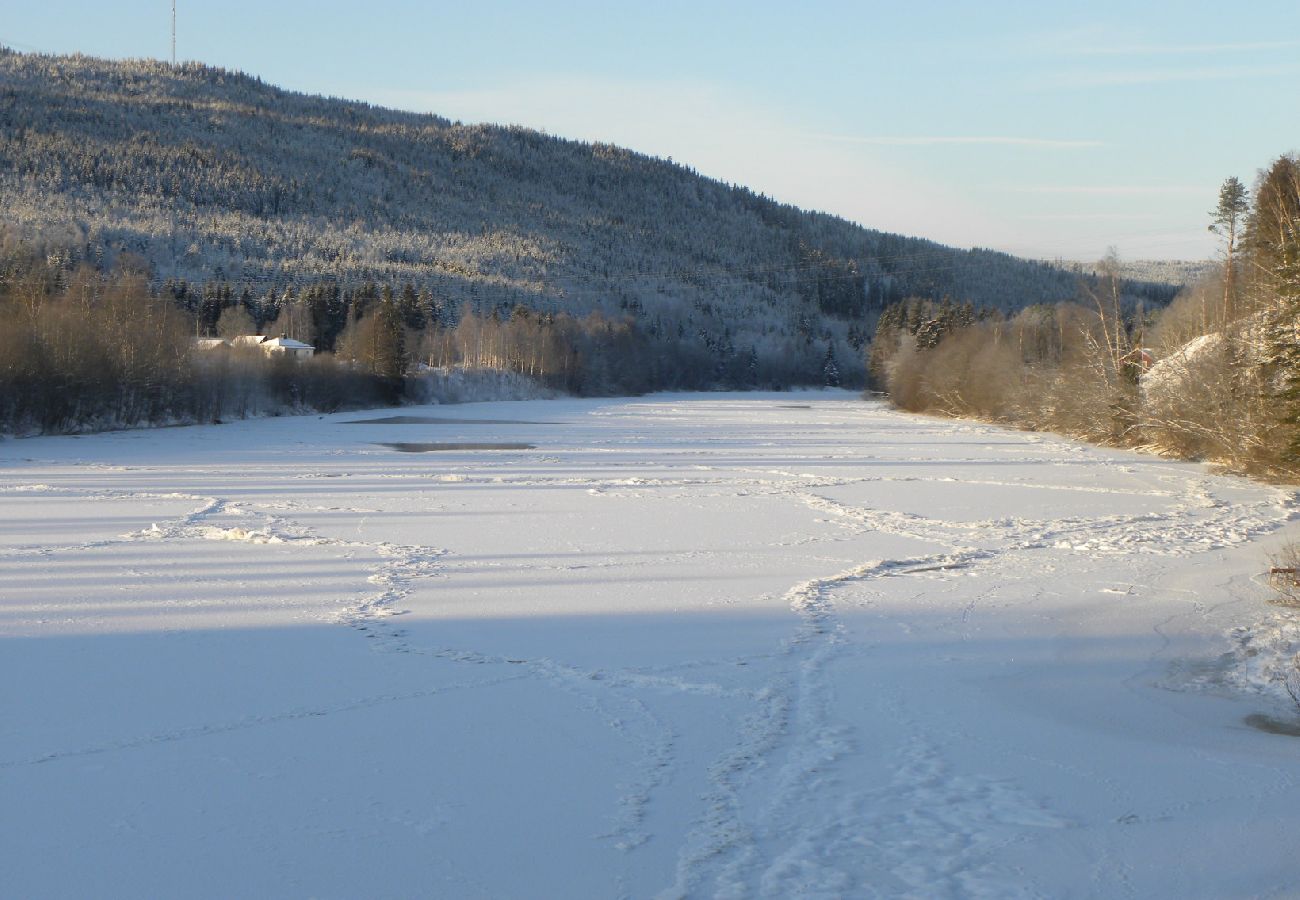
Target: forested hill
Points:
(211, 175)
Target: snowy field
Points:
(784, 645)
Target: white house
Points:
(286, 345)
(289, 347)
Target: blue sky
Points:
(1042, 130)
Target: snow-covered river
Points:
(785, 645)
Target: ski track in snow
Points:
(793, 721)
(776, 820)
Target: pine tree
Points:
(1234, 204)
(830, 368)
(409, 307)
(388, 340)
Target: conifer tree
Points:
(830, 368)
(1234, 203)
(1273, 247)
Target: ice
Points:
(736, 645)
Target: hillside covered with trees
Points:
(347, 226)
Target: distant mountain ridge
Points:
(1177, 272)
(213, 175)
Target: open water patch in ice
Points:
(435, 446)
(1273, 725)
(440, 420)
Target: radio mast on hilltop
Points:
(173, 32)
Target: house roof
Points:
(286, 344)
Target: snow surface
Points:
(1167, 380)
(710, 645)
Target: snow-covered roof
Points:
(286, 344)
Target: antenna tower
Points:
(173, 32)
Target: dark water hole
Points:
(437, 420)
(1273, 725)
(435, 447)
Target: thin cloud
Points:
(1101, 40)
(1114, 190)
(1091, 217)
(1086, 79)
(1181, 49)
(960, 140)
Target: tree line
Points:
(237, 192)
(1215, 375)
(84, 349)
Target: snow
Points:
(709, 645)
(1163, 381)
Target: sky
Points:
(1041, 129)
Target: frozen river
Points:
(736, 645)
